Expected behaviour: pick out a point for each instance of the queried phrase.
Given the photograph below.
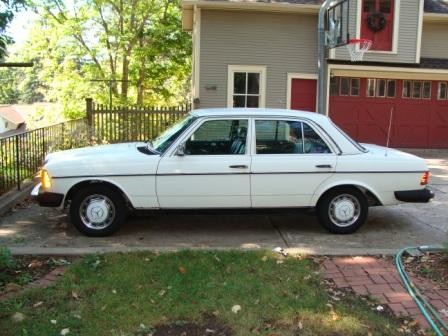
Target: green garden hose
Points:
(413, 291)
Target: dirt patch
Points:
(26, 269)
(210, 327)
(433, 266)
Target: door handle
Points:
(323, 166)
(238, 166)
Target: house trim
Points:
(295, 75)
(394, 50)
(196, 52)
(387, 72)
(435, 17)
(419, 32)
(246, 68)
(258, 6)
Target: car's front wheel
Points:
(97, 210)
(342, 210)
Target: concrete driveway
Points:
(31, 229)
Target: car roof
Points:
(257, 112)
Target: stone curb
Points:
(11, 198)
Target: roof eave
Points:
(257, 6)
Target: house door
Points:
(303, 94)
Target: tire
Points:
(342, 211)
(97, 210)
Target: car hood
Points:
(122, 159)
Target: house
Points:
(263, 53)
(11, 121)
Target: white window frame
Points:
(261, 69)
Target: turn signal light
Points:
(45, 179)
(425, 178)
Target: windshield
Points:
(164, 140)
(355, 143)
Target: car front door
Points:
(290, 160)
(209, 168)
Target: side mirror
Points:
(180, 151)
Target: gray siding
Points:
(281, 42)
(434, 40)
(407, 34)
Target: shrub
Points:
(6, 260)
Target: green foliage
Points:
(6, 260)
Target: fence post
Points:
(89, 115)
(17, 162)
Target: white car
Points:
(233, 158)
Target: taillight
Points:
(425, 178)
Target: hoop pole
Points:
(322, 66)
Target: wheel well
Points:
(83, 184)
(372, 200)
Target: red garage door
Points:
(303, 94)
(362, 107)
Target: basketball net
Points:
(357, 48)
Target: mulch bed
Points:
(433, 266)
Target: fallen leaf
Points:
(236, 309)
(182, 270)
(65, 331)
(35, 264)
(75, 295)
(379, 308)
(37, 304)
(265, 258)
(53, 321)
(17, 317)
(162, 292)
(300, 325)
(279, 261)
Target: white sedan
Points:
(233, 158)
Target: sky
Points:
(18, 28)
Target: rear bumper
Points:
(46, 199)
(414, 196)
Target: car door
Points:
(290, 160)
(209, 168)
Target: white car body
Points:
(171, 181)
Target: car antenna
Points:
(389, 129)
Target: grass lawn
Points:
(156, 294)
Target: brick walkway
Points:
(46, 281)
(378, 279)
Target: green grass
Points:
(115, 293)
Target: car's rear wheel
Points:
(97, 210)
(342, 210)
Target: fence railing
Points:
(118, 124)
(21, 155)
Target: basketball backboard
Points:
(336, 25)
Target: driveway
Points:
(31, 229)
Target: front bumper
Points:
(415, 196)
(45, 198)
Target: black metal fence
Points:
(21, 155)
(119, 124)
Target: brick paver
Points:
(379, 279)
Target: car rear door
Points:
(213, 172)
(290, 159)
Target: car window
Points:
(218, 137)
(287, 137)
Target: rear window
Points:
(355, 143)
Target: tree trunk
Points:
(125, 77)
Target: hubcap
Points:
(344, 210)
(97, 212)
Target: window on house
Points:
(334, 86)
(246, 86)
(407, 89)
(442, 91)
(345, 86)
(391, 88)
(426, 90)
(381, 88)
(370, 87)
(354, 87)
(416, 89)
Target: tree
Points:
(139, 44)
(7, 9)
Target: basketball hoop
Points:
(357, 48)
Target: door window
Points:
(218, 137)
(287, 137)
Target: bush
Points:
(6, 260)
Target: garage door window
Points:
(416, 89)
(344, 86)
(246, 86)
(442, 92)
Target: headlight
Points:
(45, 179)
